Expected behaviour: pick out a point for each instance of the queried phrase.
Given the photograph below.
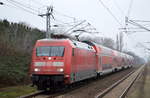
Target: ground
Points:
(16, 91)
(141, 89)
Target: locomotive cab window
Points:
(50, 51)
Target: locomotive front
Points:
(48, 64)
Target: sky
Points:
(90, 10)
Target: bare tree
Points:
(137, 59)
(108, 42)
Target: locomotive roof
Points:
(73, 42)
(46, 39)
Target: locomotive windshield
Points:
(50, 51)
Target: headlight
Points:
(49, 58)
(36, 69)
(60, 69)
(58, 63)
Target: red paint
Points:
(77, 59)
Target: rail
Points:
(130, 85)
(106, 91)
(32, 95)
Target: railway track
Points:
(32, 95)
(40, 94)
(76, 91)
(121, 87)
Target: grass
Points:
(16, 91)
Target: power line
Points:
(66, 23)
(23, 5)
(130, 7)
(30, 10)
(118, 7)
(12, 5)
(134, 23)
(35, 1)
(130, 28)
(128, 14)
(135, 31)
(18, 6)
(75, 26)
(64, 15)
(141, 20)
(115, 18)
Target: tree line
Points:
(16, 43)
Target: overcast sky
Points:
(90, 10)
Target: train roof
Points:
(106, 49)
(44, 40)
(88, 45)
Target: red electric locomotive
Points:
(60, 62)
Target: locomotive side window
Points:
(83, 46)
(50, 51)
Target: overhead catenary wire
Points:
(139, 43)
(64, 15)
(128, 15)
(74, 19)
(115, 18)
(30, 10)
(18, 6)
(13, 5)
(35, 1)
(129, 9)
(9, 5)
(130, 28)
(29, 4)
(23, 5)
(141, 20)
(64, 23)
(74, 27)
(118, 7)
(133, 39)
(82, 28)
(146, 22)
(139, 25)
